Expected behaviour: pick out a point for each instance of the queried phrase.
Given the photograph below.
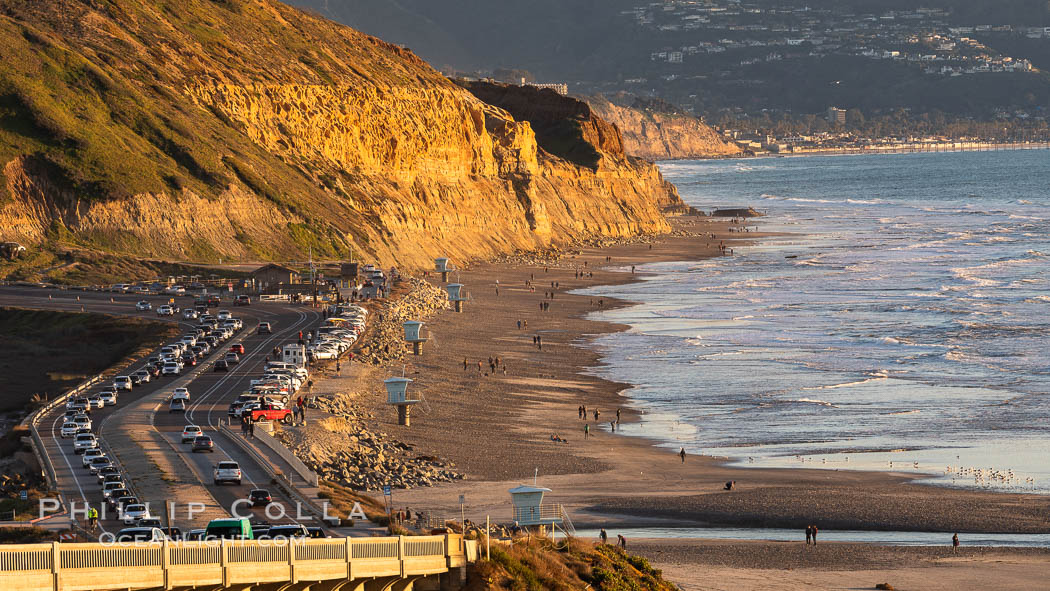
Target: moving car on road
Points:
(108, 398)
(260, 497)
(227, 472)
(230, 529)
(83, 442)
(165, 310)
(143, 306)
(91, 454)
(231, 358)
(99, 463)
(271, 412)
(203, 443)
(177, 406)
(170, 369)
(264, 328)
(237, 348)
(222, 365)
(190, 314)
(286, 531)
(69, 429)
(131, 514)
(181, 394)
(140, 534)
(242, 300)
(190, 432)
(122, 383)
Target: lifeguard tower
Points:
(529, 510)
(397, 395)
(412, 335)
(441, 265)
(456, 295)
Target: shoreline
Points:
(497, 430)
(908, 148)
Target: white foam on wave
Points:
(874, 378)
(813, 401)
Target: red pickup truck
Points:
(271, 413)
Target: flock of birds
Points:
(982, 477)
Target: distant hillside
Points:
(656, 135)
(713, 57)
(248, 130)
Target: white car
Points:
(96, 401)
(69, 429)
(131, 514)
(83, 442)
(190, 432)
(122, 383)
(190, 314)
(170, 369)
(108, 398)
(165, 310)
(177, 406)
(91, 454)
(227, 472)
(81, 421)
(110, 487)
(181, 394)
(225, 315)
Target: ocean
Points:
(900, 323)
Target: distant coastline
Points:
(899, 148)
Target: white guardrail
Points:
(33, 420)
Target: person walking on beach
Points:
(586, 430)
(579, 411)
(464, 364)
(519, 324)
(596, 413)
(809, 534)
(604, 536)
(814, 534)
(681, 454)
(955, 543)
(617, 415)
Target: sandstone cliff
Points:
(247, 130)
(654, 136)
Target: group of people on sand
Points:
(811, 534)
(621, 541)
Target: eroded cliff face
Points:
(659, 136)
(245, 151)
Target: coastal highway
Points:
(211, 392)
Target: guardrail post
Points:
(165, 564)
(349, 558)
(223, 563)
(401, 554)
(291, 561)
(56, 565)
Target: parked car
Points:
(227, 472)
(271, 412)
(260, 497)
(177, 406)
(264, 328)
(143, 306)
(222, 365)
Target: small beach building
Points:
(528, 506)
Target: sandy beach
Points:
(496, 428)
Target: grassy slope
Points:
(37, 342)
(93, 93)
(537, 565)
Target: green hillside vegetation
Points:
(101, 111)
(81, 345)
(537, 564)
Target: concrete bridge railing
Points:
(435, 562)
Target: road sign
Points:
(23, 495)
(462, 499)
(386, 489)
